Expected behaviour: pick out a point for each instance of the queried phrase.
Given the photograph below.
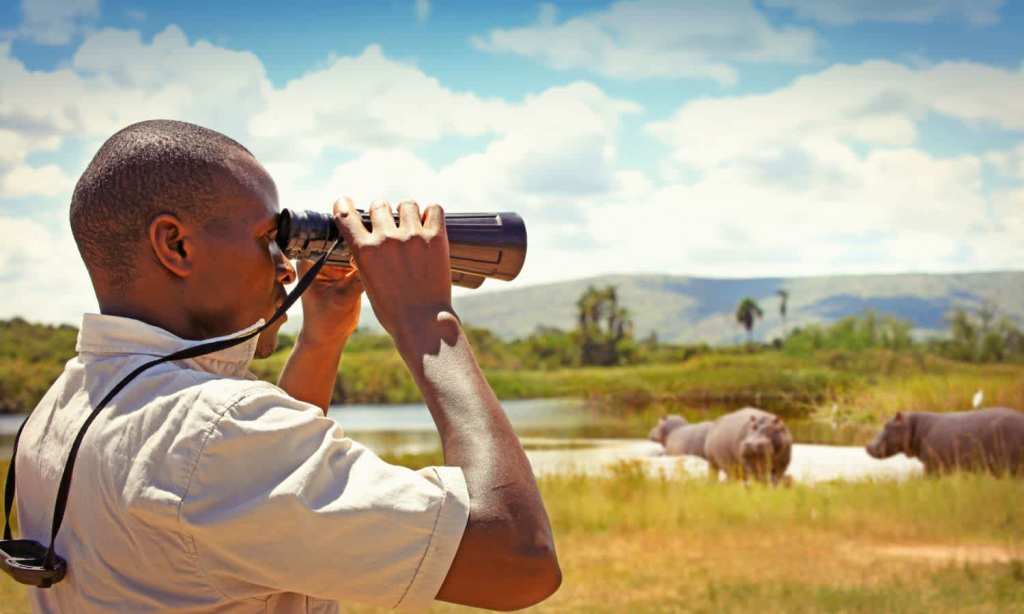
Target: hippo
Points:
(749, 443)
(989, 440)
(680, 437)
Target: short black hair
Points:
(148, 168)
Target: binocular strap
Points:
(52, 561)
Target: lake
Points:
(396, 429)
(549, 429)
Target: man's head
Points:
(175, 224)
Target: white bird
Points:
(835, 418)
(979, 396)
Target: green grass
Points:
(919, 509)
(637, 543)
(867, 386)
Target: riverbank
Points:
(827, 396)
(632, 542)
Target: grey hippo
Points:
(680, 437)
(978, 440)
(749, 443)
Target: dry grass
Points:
(632, 543)
(639, 544)
(1001, 385)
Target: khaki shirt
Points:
(201, 489)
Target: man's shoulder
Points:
(241, 396)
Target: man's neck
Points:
(175, 321)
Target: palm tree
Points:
(603, 326)
(746, 313)
(783, 300)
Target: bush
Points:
(31, 357)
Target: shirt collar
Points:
(104, 334)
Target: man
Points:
(200, 489)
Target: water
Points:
(547, 428)
(400, 429)
(409, 429)
(809, 463)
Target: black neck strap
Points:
(192, 352)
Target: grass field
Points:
(640, 544)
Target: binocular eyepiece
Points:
(481, 245)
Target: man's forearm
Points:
(468, 415)
(474, 430)
(311, 370)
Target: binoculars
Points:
(481, 245)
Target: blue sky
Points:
(780, 137)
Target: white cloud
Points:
(846, 12)
(115, 79)
(422, 8)
(656, 38)
(171, 78)
(906, 209)
(24, 180)
(819, 116)
(14, 146)
(1009, 163)
(821, 176)
(559, 144)
(824, 176)
(1008, 207)
(555, 146)
(41, 274)
(561, 140)
(370, 101)
(19, 179)
(56, 22)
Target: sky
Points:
(725, 139)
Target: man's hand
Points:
(330, 314)
(331, 304)
(404, 267)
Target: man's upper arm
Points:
(281, 500)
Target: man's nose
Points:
(284, 269)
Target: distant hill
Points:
(692, 309)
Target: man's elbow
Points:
(535, 574)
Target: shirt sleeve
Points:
(281, 500)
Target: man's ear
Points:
(172, 245)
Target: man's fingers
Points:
(329, 272)
(409, 216)
(349, 222)
(433, 220)
(354, 281)
(381, 217)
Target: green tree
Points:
(981, 338)
(549, 347)
(604, 327)
(964, 336)
(783, 307)
(747, 312)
